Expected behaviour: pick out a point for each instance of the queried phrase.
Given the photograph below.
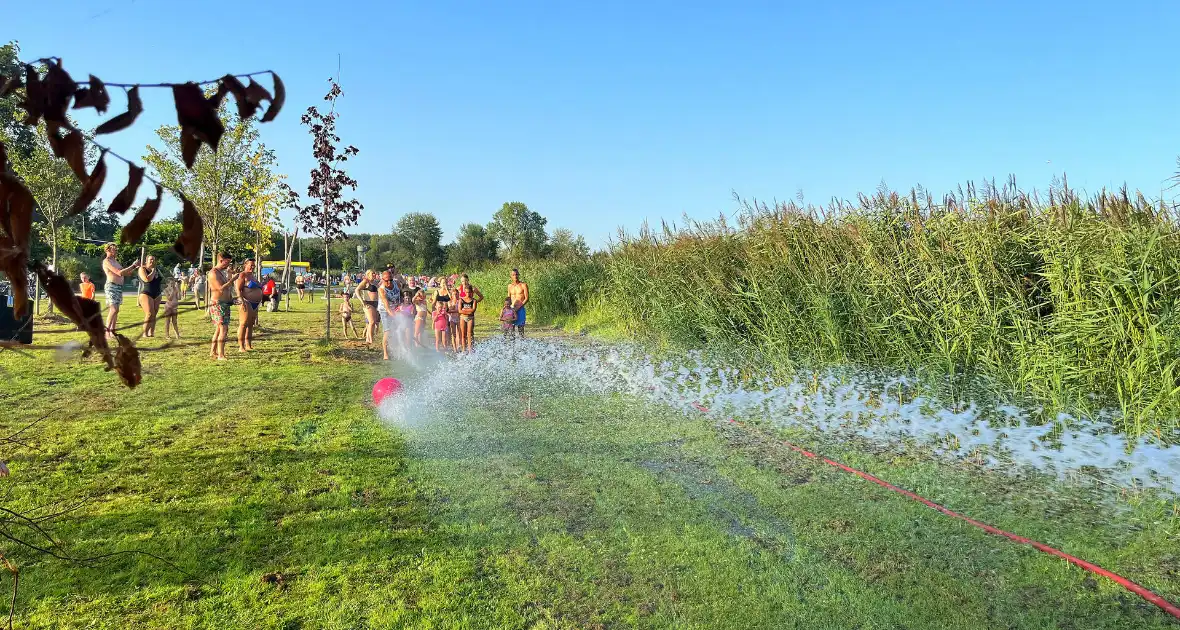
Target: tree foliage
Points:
(566, 246)
(233, 189)
(418, 243)
(54, 187)
(520, 231)
(20, 138)
(474, 248)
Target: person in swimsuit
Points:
(250, 294)
(453, 316)
(346, 315)
(469, 299)
(440, 326)
(149, 296)
(389, 296)
(420, 314)
(114, 286)
(198, 284)
(222, 301)
(299, 285)
(507, 317)
(366, 292)
(518, 292)
(171, 304)
(406, 311)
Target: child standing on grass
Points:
(346, 315)
(441, 323)
(171, 304)
(507, 317)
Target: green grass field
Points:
(284, 502)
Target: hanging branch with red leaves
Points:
(47, 95)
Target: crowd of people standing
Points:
(405, 308)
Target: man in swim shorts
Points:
(221, 299)
(114, 287)
(518, 292)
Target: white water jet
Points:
(838, 402)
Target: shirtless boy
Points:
(518, 292)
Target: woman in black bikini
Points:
(469, 296)
(149, 297)
(366, 292)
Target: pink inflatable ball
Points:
(384, 388)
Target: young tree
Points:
(227, 186)
(331, 212)
(520, 230)
(419, 238)
(473, 249)
(564, 245)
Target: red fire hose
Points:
(1145, 593)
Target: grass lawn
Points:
(287, 503)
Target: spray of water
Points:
(844, 403)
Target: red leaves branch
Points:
(47, 94)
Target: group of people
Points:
(405, 306)
(151, 296)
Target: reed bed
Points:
(1063, 299)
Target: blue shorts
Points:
(519, 317)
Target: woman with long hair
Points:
(149, 297)
(469, 299)
(366, 292)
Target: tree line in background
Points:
(515, 234)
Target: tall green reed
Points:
(1067, 300)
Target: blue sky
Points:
(600, 115)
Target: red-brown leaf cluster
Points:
(47, 95)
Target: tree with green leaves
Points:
(233, 189)
(54, 187)
(19, 137)
(418, 236)
(566, 246)
(521, 231)
(473, 249)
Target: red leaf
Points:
(69, 148)
(192, 229)
(196, 115)
(93, 96)
(124, 120)
(59, 88)
(90, 187)
(189, 147)
(16, 219)
(126, 197)
(230, 83)
(9, 84)
(127, 364)
(276, 103)
(34, 100)
(138, 224)
(255, 94)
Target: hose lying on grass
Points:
(1141, 591)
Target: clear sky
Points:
(603, 114)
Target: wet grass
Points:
(287, 504)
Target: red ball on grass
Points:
(384, 388)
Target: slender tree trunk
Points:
(327, 294)
(52, 261)
(290, 249)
